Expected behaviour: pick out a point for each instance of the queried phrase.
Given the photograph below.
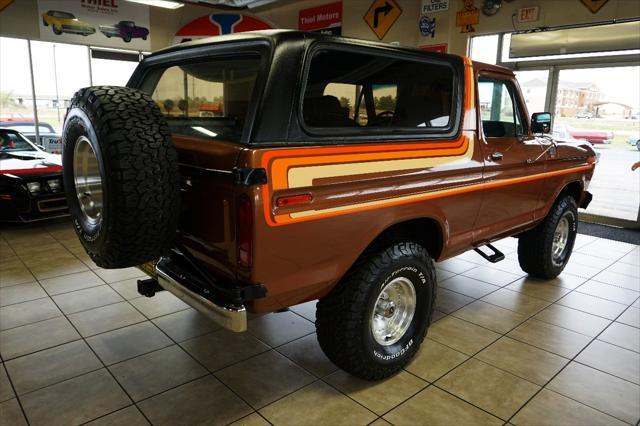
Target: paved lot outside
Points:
(615, 188)
(78, 344)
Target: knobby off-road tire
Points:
(121, 176)
(345, 317)
(544, 251)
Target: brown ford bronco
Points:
(336, 170)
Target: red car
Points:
(593, 136)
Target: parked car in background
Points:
(634, 140)
(15, 116)
(65, 22)
(31, 185)
(50, 140)
(593, 136)
(126, 30)
(584, 114)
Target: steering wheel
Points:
(384, 118)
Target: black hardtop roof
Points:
(280, 36)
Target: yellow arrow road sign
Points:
(381, 16)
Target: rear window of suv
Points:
(352, 93)
(208, 100)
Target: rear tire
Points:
(121, 176)
(56, 30)
(544, 251)
(366, 325)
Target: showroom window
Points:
(587, 76)
(59, 70)
(209, 99)
(349, 90)
(16, 96)
(112, 67)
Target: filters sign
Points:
(434, 6)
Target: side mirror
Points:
(541, 122)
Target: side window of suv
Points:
(498, 109)
(356, 91)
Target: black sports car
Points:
(30, 180)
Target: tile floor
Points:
(78, 344)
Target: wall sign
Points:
(432, 6)
(427, 26)
(438, 48)
(325, 19)
(381, 16)
(468, 17)
(111, 23)
(528, 14)
(594, 5)
(220, 24)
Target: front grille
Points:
(52, 205)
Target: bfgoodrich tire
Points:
(373, 322)
(544, 251)
(121, 176)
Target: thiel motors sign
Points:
(322, 19)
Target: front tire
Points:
(374, 321)
(544, 251)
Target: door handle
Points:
(496, 156)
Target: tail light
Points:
(245, 231)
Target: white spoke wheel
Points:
(560, 239)
(87, 179)
(393, 311)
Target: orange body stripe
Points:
(284, 219)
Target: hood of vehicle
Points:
(569, 148)
(29, 162)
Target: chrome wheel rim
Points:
(88, 181)
(393, 311)
(560, 240)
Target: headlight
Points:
(54, 184)
(33, 186)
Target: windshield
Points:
(64, 15)
(14, 141)
(207, 100)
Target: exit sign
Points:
(528, 14)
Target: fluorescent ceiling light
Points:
(204, 131)
(160, 3)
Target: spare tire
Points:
(121, 176)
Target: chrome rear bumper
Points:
(233, 318)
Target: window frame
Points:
(515, 103)
(314, 134)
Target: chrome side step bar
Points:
(233, 318)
